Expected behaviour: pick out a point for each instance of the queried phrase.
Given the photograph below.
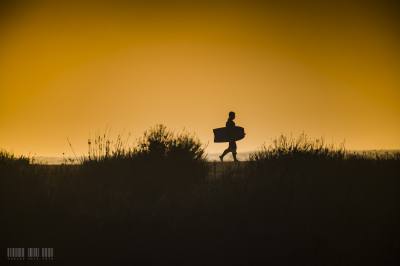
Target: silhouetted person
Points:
(232, 144)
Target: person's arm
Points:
(230, 124)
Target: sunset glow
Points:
(71, 70)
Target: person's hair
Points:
(231, 114)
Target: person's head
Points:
(231, 115)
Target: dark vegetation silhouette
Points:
(296, 202)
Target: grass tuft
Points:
(284, 147)
(7, 158)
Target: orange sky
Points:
(71, 70)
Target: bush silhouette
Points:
(296, 202)
(162, 160)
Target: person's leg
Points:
(226, 151)
(234, 157)
(233, 148)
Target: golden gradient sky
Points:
(69, 70)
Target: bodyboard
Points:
(224, 134)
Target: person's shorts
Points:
(232, 146)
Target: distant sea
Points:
(242, 156)
(54, 160)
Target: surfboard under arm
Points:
(224, 134)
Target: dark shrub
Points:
(161, 161)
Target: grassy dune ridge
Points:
(296, 202)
